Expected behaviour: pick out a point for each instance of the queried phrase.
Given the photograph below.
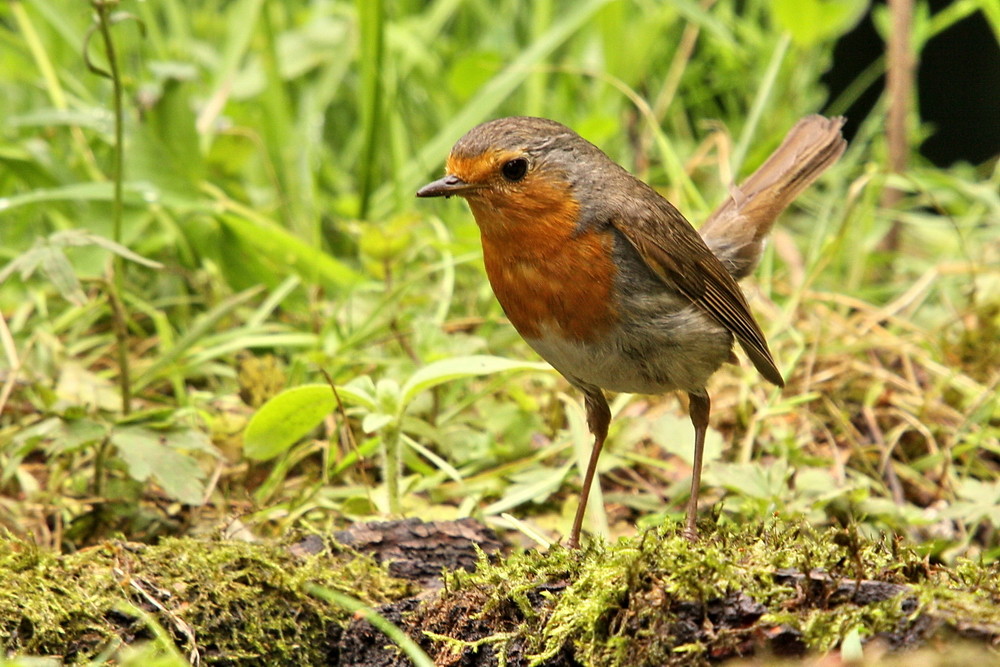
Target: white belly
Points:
(679, 351)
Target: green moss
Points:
(241, 602)
(824, 629)
(632, 602)
(656, 599)
(966, 595)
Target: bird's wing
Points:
(674, 251)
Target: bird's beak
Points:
(445, 187)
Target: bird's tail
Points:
(736, 230)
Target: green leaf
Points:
(285, 419)
(165, 148)
(58, 269)
(366, 448)
(447, 370)
(752, 480)
(851, 649)
(387, 396)
(439, 462)
(814, 21)
(359, 391)
(387, 242)
(59, 435)
(358, 506)
(155, 417)
(81, 237)
(47, 254)
(150, 453)
(77, 434)
(694, 13)
(531, 486)
(676, 435)
(91, 118)
(361, 610)
(271, 240)
(135, 194)
(375, 421)
(80, 387)
(193, 440)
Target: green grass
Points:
(271, 152)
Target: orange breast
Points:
(544, 275)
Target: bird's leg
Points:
(598, 418)
(699, 408)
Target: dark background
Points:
(958, 86)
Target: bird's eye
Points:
(514, 170)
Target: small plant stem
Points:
(100, 467)
(390, 452)
(900, 70)
(116, 283)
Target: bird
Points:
(607, 281)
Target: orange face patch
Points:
(470, 169)
(544, 273)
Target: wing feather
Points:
(674, 251)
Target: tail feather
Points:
(736, 230)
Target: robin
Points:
(606, 280)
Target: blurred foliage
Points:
(271, 153)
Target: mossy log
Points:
(657, 599)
